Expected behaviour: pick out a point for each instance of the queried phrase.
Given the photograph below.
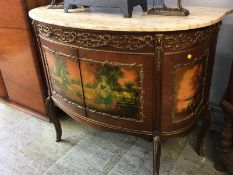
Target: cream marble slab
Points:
(111, 19)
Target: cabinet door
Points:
(114, 87)
(64, 77)
(185, 88)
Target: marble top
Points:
(111, 19)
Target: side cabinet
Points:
(21, 83)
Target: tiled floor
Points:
(28, 147)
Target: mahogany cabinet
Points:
(128, 76)
(21, 83)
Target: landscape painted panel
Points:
(65, 77)
(113, 89)
(188, 89)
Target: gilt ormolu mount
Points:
(164, 10)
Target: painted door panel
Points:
(64, 77)
(184, 88)
(114, 90)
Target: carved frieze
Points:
(93, 40)
(177, 42)
(173, 42)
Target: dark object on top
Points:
(125, 5)
(56, 5)
(164, 10)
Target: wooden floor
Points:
(28, 147)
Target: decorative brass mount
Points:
(164, 10)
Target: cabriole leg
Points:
(51, 113)
(206, 121)
(156, 154)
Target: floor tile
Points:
(83, 159)
(137, 161)
(10, 116)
